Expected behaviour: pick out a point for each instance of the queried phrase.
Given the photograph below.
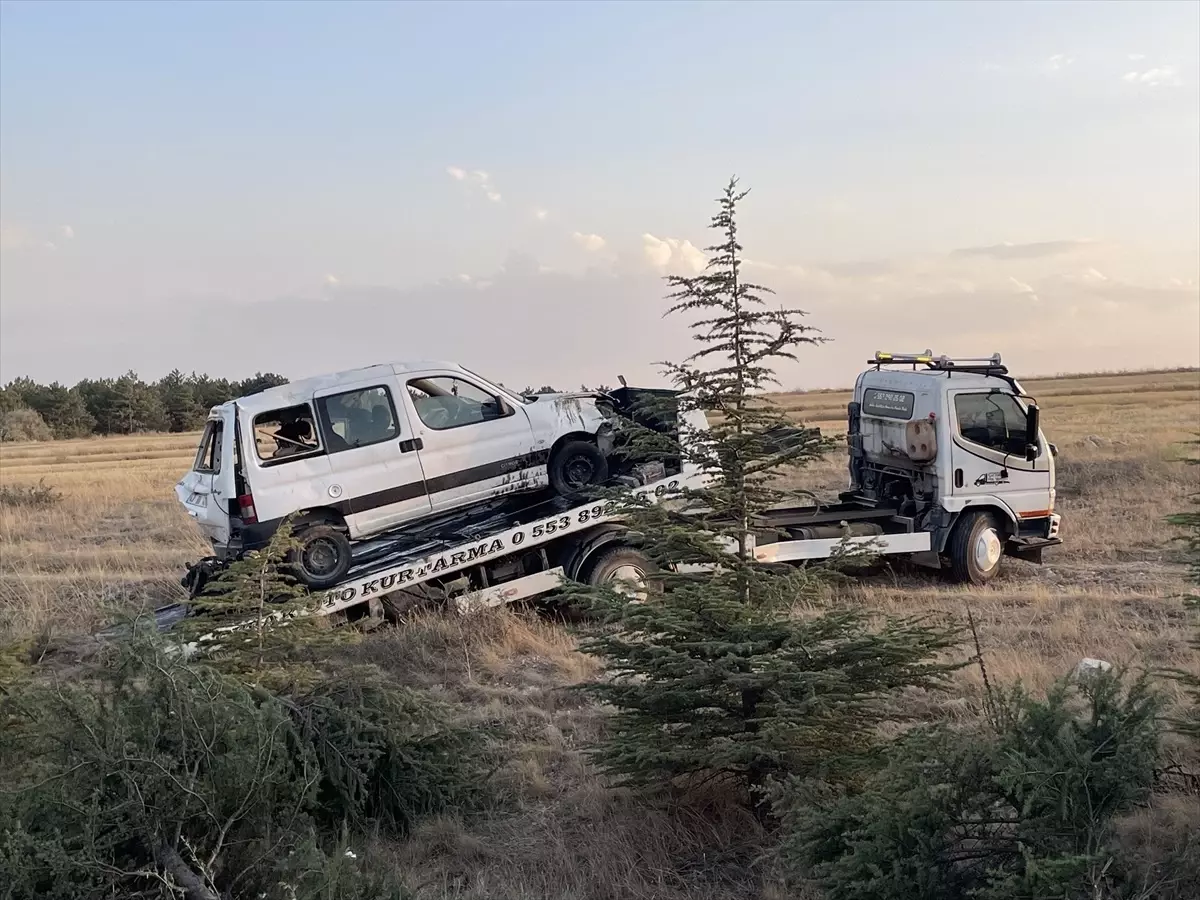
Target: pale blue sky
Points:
(235, 186)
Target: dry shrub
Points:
(23, 424)
(29, 496)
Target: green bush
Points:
(1026, 813)
(154, 777)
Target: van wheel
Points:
(575, 465)
(625, 570)
(976, 549)
(323, 558)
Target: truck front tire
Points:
(976, 549)
(576, 465)
(624, 569)
(324, 555)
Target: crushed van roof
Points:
(302, 389)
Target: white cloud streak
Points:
(592, 243)
(1159, 76)
(476, 180)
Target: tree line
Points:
(176, 402)
(30, 411)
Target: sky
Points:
(309, 187)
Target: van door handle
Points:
(411, 444)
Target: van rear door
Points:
(208, 490)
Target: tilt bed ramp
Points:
(514, 556)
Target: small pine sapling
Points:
(713, 675)
(257, 619)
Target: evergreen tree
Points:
(256, 619)
(178, 397)
(100, 399)
(259, 381)
(713, 675)
(137, 406)
(64, 411)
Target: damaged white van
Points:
(361, 452)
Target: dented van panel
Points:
(380, 447)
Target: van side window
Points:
(993, 420)
(358, 418)
(285, 434)
(208, 456)
(444, 402)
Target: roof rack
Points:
(983, 365)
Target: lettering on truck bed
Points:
(466, 555)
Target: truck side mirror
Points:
(1032, 425)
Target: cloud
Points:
(66, 231)
(592, 243)
(476, 180)
(1059, 61)
(1023, 288)
(1022, 251)
(541, 214)
(332, 280)
(673, 254)
(1135, 57)
(1160, 76)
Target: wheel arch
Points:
(326, 515)
(564, 439)
(584, 551)
(1004, 516)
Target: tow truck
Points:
(948, 466)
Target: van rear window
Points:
(887, 404)
(208, 455)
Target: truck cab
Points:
(956, 445)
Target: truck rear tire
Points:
(324, 555)
(576, 465)
(976, 549)
(622, 565)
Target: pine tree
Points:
(712, 676)
(178, 397)
(256, 619)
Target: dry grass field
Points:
(117, 539)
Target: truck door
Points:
(475, 445)
(206, 491)
(376, 469)
(988, 456)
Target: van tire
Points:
(324, 555)
(976, 549)
(576, 465)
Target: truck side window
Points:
(285, 434)
(358, 418)
(444, 402)
(993, 420)
(208, 456)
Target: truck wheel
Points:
(323, 558)
(623, 569)
(976, 549)
(574, 466)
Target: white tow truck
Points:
(948, 466)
